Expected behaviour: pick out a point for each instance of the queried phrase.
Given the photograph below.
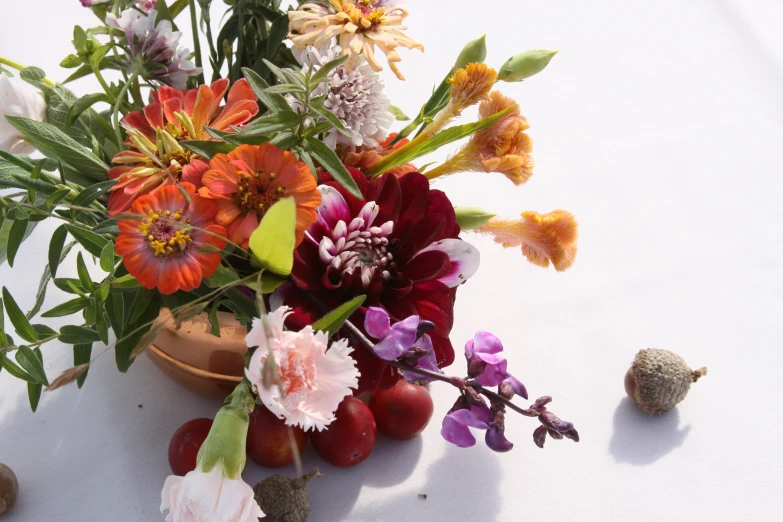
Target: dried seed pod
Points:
(659, 379)
(9, 489)
(285, 498)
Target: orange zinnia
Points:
(175, 244)
(156, 157)
(250, 179)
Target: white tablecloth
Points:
(659, 125)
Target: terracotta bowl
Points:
(196, 359)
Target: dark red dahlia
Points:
(398, 245)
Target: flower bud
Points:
(525, 65)
(551, 421)
(541, 402)
(471, 218)
(572, 434)
(225, 445)
(496, 440)
(505, 390)
(555, 434)
(474, 52)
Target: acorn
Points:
(9, 489)
(285, 498)
(659, 379)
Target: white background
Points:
(659, 125)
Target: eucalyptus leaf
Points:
(273, 242)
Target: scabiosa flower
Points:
(398, 245)
(156, 157)
(360, 25)
(502, 147)
(355, 95)
(173, 243)
(247, 181)
(154, 45)
(310, 381)
(544, 238)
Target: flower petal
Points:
(464, 257)
(377, 323)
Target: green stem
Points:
(18, 66)
(196, 41)
(116, 111)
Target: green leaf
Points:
(71, 61)
(66, 284)
(413, 150)
(15, 238)
(18, 319)
(240, 304)
(55, 199)
(208, 149)
(285, 88)
(55, 144)
(126, 282)
(329, 160)
(3, 341)
(274, 102)
(471, 218)
(92, 242)
(56, 248)
(164, 14)
(397, 113)
(107, 258)
(275, 122)
(143, 299)
(34, 393)
(334, 320)
(71, 334)
(67, 308)
(115, 312)
(272, 243)
(82, 104)
(81, 355)
(102, 324)
(84, 274)
(44, 282)
(14, 370)
(108, 226)
(31, 364)
(326, 68)
(93, 192)
(34, 184)
(213, 319)
(270, 14)
(277, 33)
(43, 331)
(5, 232)
(223, 276)
(124, 348)
(319, 108)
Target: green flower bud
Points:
(471, 218)
(226, 443)
(525, 65)
(474, 52)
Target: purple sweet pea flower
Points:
(484, 365)
(496, 440)
(456, 425)
(516, 386)
(428, 361)
(396, 339)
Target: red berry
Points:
(268, 443)
(350, 438)
(185, 443)
(402, 411)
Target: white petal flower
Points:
(312, 380)
(208, 497)
(18, 99)
(355, 96)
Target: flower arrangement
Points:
(276, 191)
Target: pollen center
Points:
(164, 235)
(257, 191)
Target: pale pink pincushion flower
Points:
(310, 381)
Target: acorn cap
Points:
(9, 489)
(659, 379)
(285, 498)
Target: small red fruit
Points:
(402, 411)
(268, 443)
(350, 438)
(185, 443)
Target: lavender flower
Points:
(354, 94)
(155, 46)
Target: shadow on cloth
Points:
(641, 439)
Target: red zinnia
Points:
(156, 157)
(398, 245)
(176, 244)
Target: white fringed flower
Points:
(310, 381)
(18, 99)
(208, 497)
(157, 44)
(355, 96)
